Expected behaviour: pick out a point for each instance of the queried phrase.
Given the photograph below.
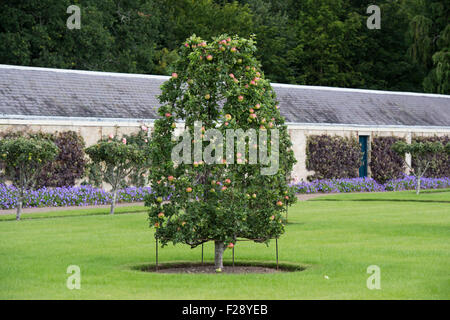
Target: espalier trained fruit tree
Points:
(23, 160)
(217, 89)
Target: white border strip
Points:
(416, 94)
(356, 127)
(111, 122)
(69, 121)
(85, 72)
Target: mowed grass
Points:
(337, 236)
(72, 213)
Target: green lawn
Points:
(72, 213)
(337, 236)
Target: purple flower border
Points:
(87, 195)
(68, 196)
(368, 185)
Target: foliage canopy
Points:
(219, 83)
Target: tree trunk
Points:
(20, 203)
(218, 256)
(19, 208)
(113, 203)
(418, 185)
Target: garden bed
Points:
(80, 196)
(85, 196)
(368, 185)
(208, 268)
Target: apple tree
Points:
(423, 154)
(23, 160)
(217, 89)
(115, 159)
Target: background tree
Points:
(275, 35)
(327, 42)
(115, 160)
(115, 36)
(68, 166)
(24, 159)
(220, 84)
(429, 37)
(440, 163)
(423, 154)
(139, 175)
(313, 42)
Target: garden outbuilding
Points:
(95, 104)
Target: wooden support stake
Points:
(276, 244)
(156, 253)
(287, 208)
(233, 257)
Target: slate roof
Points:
(29, 91)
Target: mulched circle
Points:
(207, 268)
(211, 269)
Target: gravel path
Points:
(48, 209)
(305, 197)
(301, 197)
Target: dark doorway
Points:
(363, 169)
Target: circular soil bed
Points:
(208, 268)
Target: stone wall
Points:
(299, 134)
(92, 131)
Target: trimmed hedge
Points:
(440, 166)
(384, 163)
(69, 164)
(332, 157)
